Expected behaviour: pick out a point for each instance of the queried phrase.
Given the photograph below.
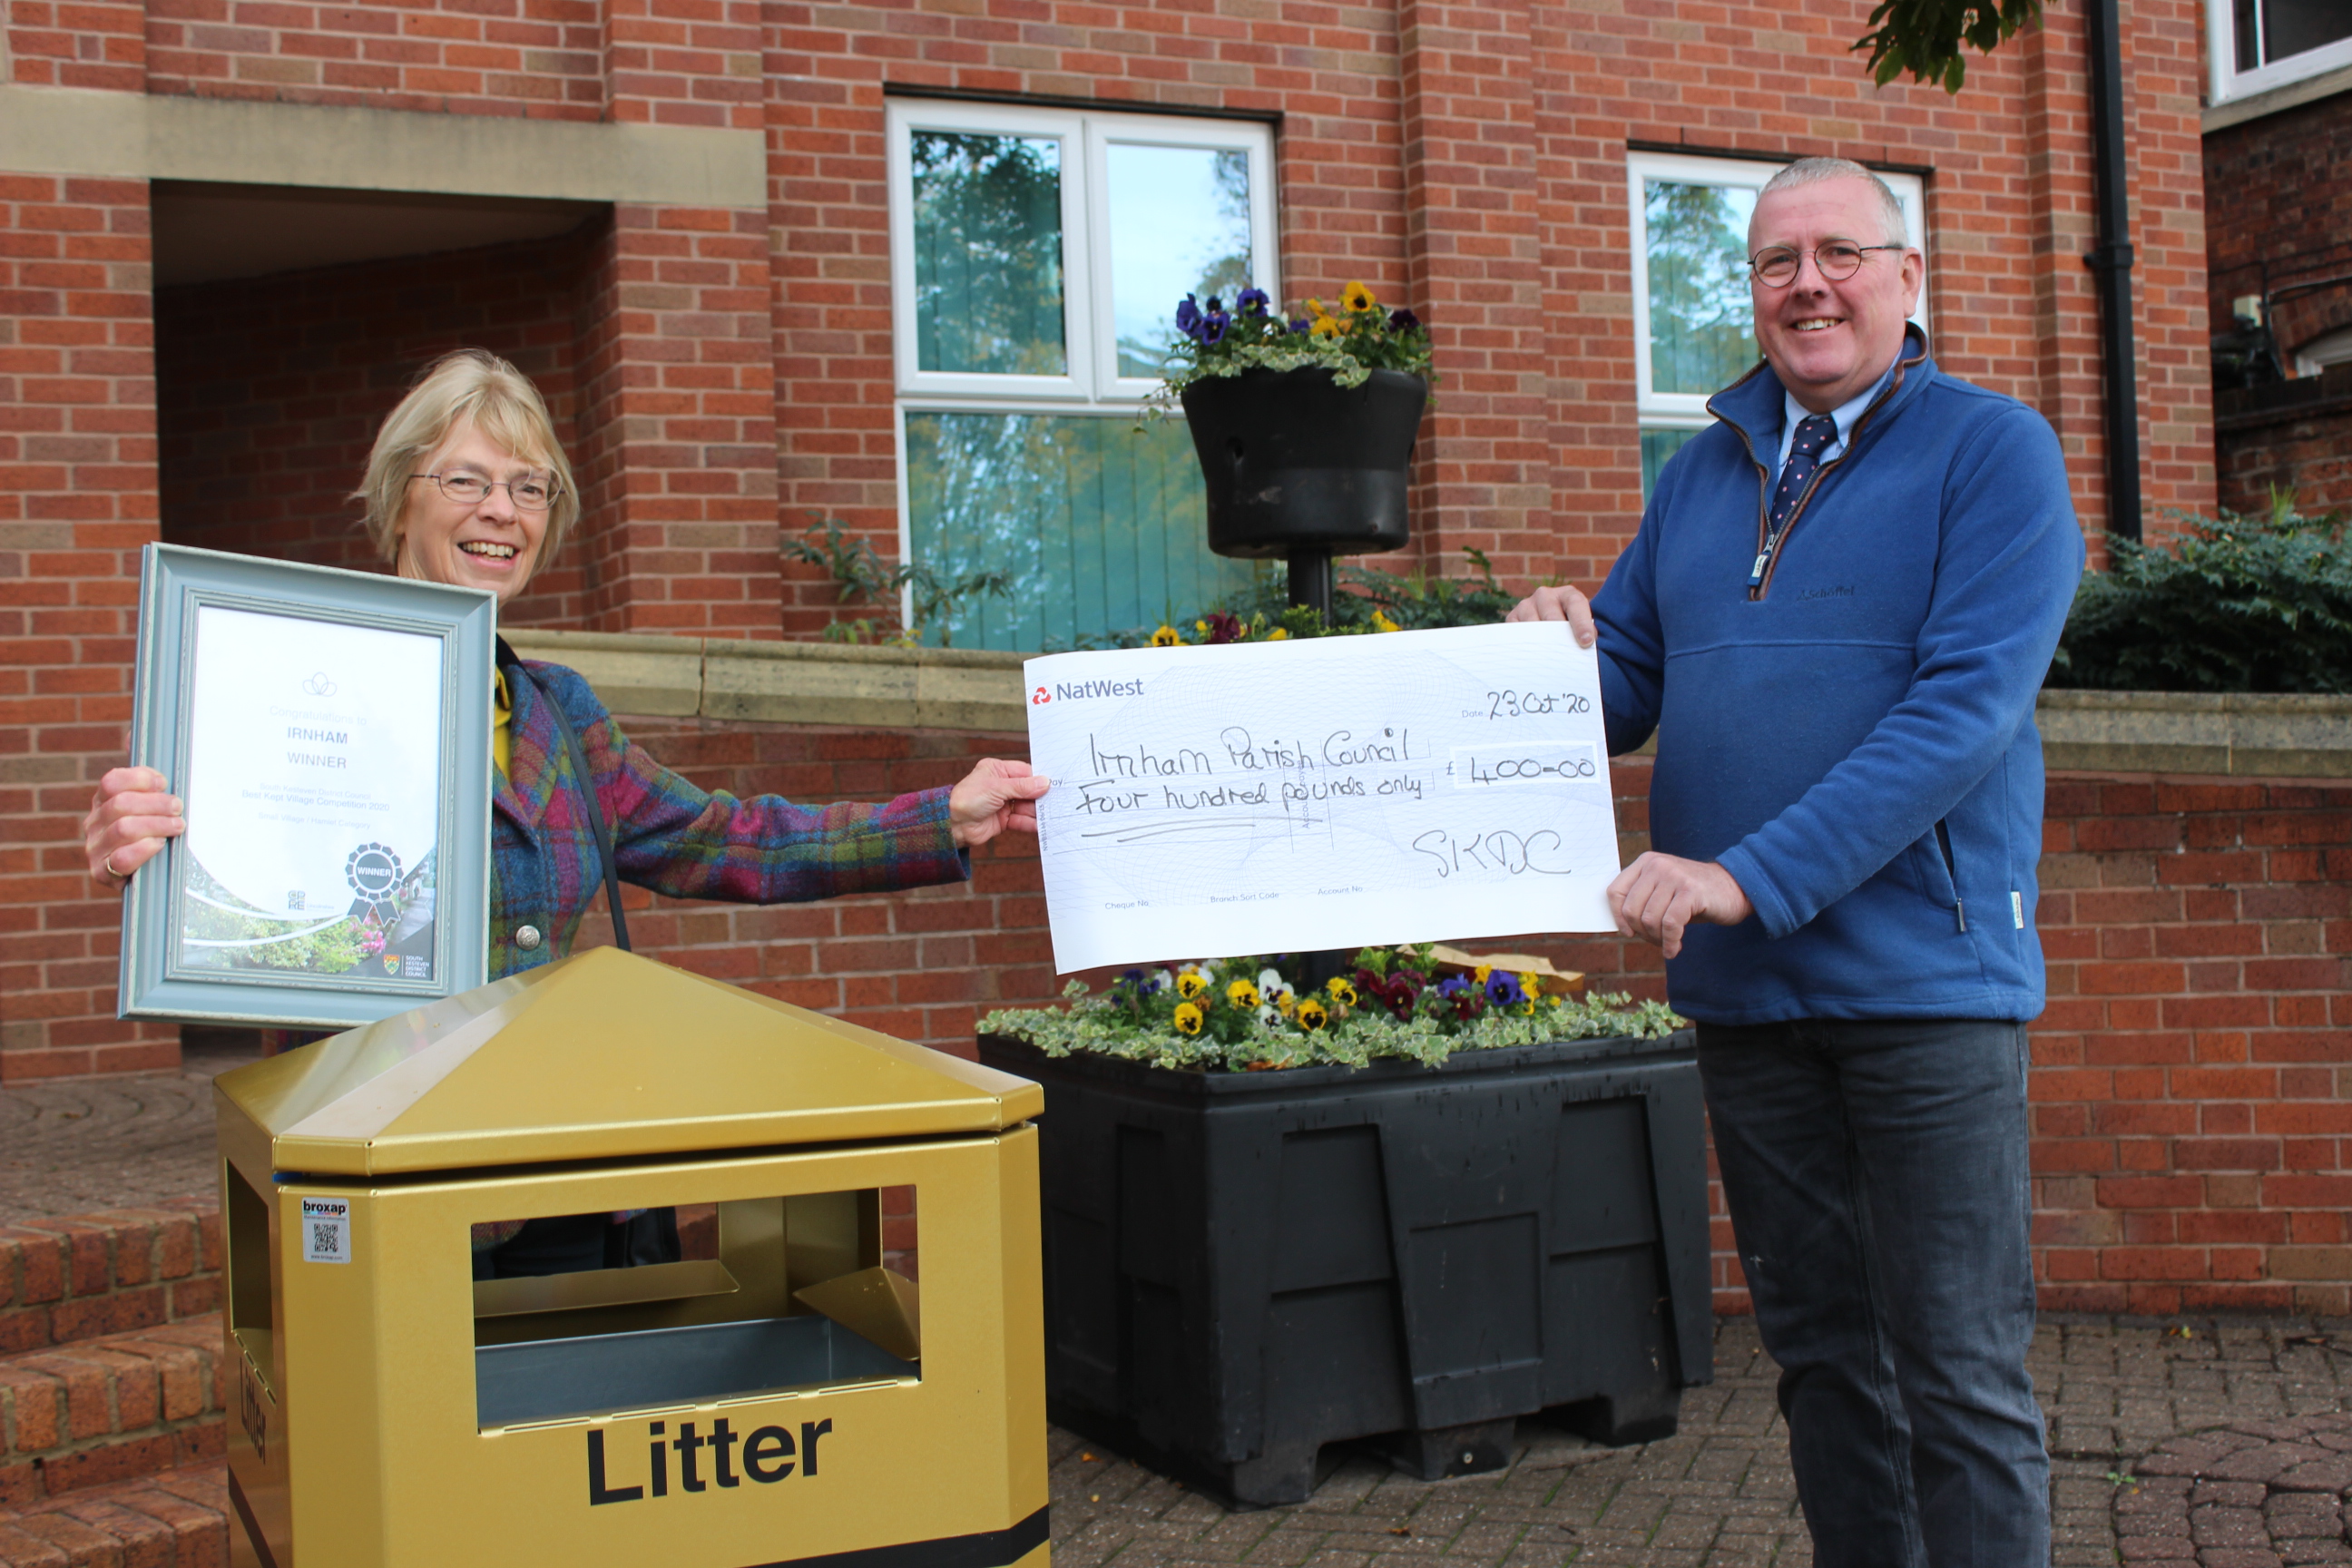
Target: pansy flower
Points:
(1167, 636)
(1188, 317)
(1189, 985)
(1341, 992)
(1188, 1018)
(1356, 297)
(1312, 1014)
(1251, 302)
(1503, 989)
(1402, 320)
(1242, 994)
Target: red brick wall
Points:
(2305, 447)
(77, 502)
(2191, 1143)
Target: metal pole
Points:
(2111, 263)
(1310, 579)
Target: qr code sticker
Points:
(326, 1230)
(294, 899)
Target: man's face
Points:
(1829, 340)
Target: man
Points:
(1835, 616)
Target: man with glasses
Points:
(1835, 618)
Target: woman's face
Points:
(488, 543)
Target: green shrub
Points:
(2238, 604)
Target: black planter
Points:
(1296, 463)
(1242, 1268)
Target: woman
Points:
(468, 485)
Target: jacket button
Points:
(526, 937)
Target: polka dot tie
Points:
(1813, 436)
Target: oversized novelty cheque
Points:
(1284, 797)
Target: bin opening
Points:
(252, 1319)
(790, 1293)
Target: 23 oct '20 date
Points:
(1510, 704)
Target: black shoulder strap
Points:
(588, 791)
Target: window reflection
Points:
(988, 253)
(1098, 521)
(1180, 223)
(1702, 330)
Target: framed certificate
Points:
(328, 733)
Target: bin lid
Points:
(604, 1055)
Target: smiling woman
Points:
(468, 486)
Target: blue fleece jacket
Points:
(1853, 740)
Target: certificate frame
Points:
(158, 980)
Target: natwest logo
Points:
(1039, 698)
(1069, 694)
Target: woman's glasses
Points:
(533, 494)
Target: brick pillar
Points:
(77, 499)
(93, 44)
(677, 451)
(2061, 200)
(1473, 252)
(677, 372)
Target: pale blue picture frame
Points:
(176, 582)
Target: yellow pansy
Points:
(1279, 634)
(1167, 636)
(1483, 973)
(1188, 1018)
(1325, 327)
(1312, 1014)
(1242, 994)
(1189, 985)
(1356, 297)
(1380, 623)
(1341, 992)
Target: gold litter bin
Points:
(781, 1396)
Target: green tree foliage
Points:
(2238, 604)
(1925, 36)
(988, 253)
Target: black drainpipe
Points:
(2111, 263)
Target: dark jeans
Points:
(1876, 1175)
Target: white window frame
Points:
(1089, 336)
(2228, 82)
(1687, 410)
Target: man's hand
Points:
(130, 816)
(994, 797)
(1658, 895)
(1568, 604)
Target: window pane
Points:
(1657, 446)
(2298, 27)
(1180, 223)
(1101, 527)
(1702, 331)
(988, 253)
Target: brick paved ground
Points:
(2183, 1433)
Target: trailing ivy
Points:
(2234, 603)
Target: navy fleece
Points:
(1855, 744)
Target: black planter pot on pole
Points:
(1300, 468)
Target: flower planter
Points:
(1242, 1268)
(1296, 463)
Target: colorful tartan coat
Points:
(671, 836)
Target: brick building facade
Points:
(677, 219)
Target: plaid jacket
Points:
(671, 836)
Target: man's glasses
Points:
(1775, 267)
(468, 489)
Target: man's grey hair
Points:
(1815, 170)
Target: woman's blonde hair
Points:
(470, 384)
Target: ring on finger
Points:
(108, 866)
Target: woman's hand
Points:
(994, 797)
(130, 816)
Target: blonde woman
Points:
(468, 485)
